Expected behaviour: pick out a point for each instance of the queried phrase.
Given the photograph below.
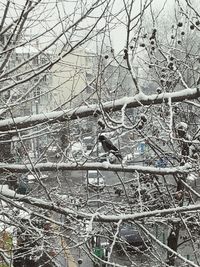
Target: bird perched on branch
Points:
(109, 147)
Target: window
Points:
(37, 92)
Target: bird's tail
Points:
(118, 155)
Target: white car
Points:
(32, 178)
(94, 180)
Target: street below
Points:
(71, 188)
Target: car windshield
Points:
(94, 178)
(92, 174)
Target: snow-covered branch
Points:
(89, 110)
(99, 217)
(49, 166)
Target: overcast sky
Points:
(50, 11)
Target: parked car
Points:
(129, 238)
(94, 180)
(161, 163)
(32, 178)
(129, 159)
(23, 186)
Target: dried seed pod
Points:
(180, 24)
(192, 27)
(197, 22)
(143, 117)
(159, 90)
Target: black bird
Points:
(109, 147)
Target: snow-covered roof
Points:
(27, 49)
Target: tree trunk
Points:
(172, 243)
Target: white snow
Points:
(182, 125)
(192, 176)
(84, 111)
(78, 146)
(27, 49)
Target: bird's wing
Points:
(110, 145)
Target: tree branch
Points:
(85, 111)
(99, 217)
(20, 168)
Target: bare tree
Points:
(71, 71)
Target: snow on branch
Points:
(20, 168)
(148, 214)
(98, 216)
(89, 110)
